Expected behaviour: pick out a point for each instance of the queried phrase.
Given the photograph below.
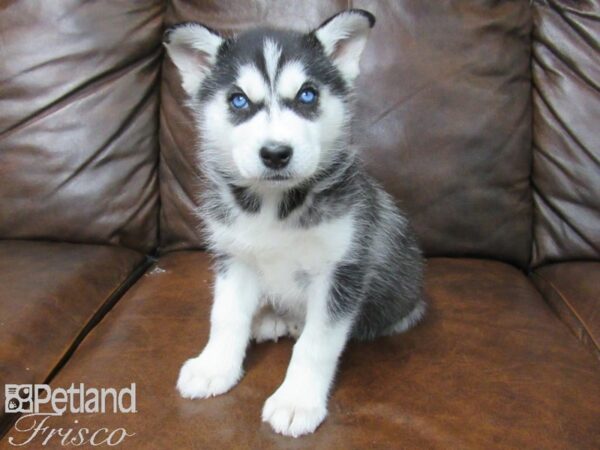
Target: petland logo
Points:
(39, 403)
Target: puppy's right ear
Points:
(193, 48)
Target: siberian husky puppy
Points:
(306, 244)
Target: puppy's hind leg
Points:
(219, 367)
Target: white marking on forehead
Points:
(272, 53)
(291, 79)
(252, 83)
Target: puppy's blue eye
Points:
(307, 96)
(239, 101)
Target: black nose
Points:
(276, 156)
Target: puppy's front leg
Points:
(300, 403)
(219, 367)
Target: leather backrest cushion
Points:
(566, 167)
(443, 117)
(79, 120)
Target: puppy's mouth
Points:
(278, 180)
(276, 177)
(273, 179)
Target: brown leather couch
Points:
(481, 117)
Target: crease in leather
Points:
(190, 166)
(564, 48)
(143, 204)
(180, 186)
(566, 63)
(174, 241)
(563, 7)
(126, 123)
(574, 25)
(143, 24)
(84, 90)
(548, 104)
(571, 309)
(565, 222)
(556, 210)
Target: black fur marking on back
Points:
(245, 199)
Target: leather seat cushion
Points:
(491, 366)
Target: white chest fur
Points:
(285, 257)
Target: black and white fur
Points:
(314, 249)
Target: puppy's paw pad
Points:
(292, 418)
(199, 378)
(269, 327)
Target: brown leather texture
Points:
(490, 367)
(573, 290)
(566, 153)
(49, 292)
(79, 120)
(443, 117)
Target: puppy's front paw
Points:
(206, 376)
(293, 412)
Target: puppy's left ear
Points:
(343, 37)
